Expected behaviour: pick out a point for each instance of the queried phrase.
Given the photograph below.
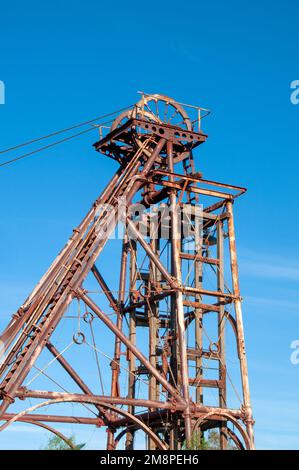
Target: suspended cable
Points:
(13, 160)
(75, 126)
(53, 144)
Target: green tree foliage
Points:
(197, 442)
(210, 441)
(56, 443)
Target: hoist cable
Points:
(75, 126)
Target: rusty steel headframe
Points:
(168, 325)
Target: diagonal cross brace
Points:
(125, 340)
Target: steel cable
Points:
(13, 160)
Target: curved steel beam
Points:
(229, 432)
(161, 445)
(229, 418)
(52, 430)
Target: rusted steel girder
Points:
(54, 419)
(61, 295)
(168, 297)
(197, 410)
(169, 405)
(179, 311)
(88, 301)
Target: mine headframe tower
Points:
(176, 301)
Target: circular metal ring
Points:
(88, 317)
(143, 290)
(79, 338)
(214, 347)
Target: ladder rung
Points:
(209, 383)
(203, 259)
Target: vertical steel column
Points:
(176, 248)
(174, 377)
(198, 268)
(117, 347)
(132, 337)
(153, 318)
(221, 330)
(239, 320)
(174, 364)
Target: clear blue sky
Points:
(66, 61)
